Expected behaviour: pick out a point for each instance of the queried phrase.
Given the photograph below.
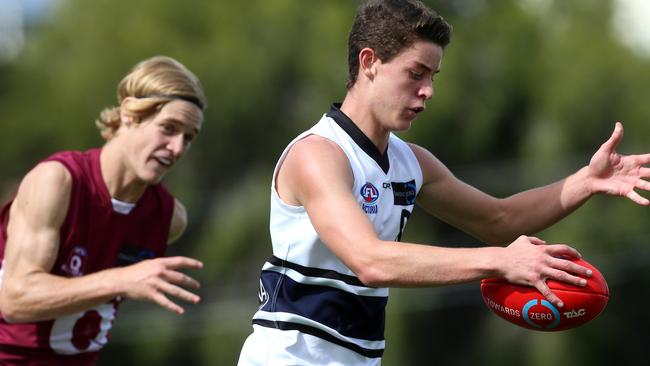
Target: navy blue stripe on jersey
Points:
(317, 272)
(359, 137)
(348, 314)
(370, 353)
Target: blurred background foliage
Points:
(528, 91)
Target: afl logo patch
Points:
(369, 193)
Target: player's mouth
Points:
(164, 162)
(413, 112)
(417, 110)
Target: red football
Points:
(526, 307)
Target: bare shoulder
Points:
(311, 165)
(179, 221)
(44, 193)
(432, 168)
(422, 154)
(49, 172)
(316, 147)
(37, 213)
(315, 155)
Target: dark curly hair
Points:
(389, 26)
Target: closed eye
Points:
(188, 138)
(168, 129)
(416, 75)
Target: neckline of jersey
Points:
(359, 137)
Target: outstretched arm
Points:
(501, 220)
(29, 292)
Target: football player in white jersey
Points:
(395, 50)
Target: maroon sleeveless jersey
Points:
(93, 237)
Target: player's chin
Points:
(153, 177)
(407, 118)
(156, 173)
(403, 124)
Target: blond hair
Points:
(154, 82)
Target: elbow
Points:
(10, 312)
(496, 238)
(15, 314)
(501, 234)
(370, 278)
(11, 308)
(497, 231)
(373, 274)
(12, 317)
(506, 224)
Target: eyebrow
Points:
(178, 122)
(427, 67)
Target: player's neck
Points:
(121, 184)
(360, 113)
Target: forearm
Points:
(395, 264)
(526, 261)
(531, 211)
(40, 295)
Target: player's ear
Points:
(126, 116)
(367, 62)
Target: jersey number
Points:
(402, 223)
(82, 332)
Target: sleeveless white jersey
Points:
(318, 310)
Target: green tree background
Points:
(526, 95)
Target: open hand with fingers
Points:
(531, 261)
(157, 279)
(619, 175)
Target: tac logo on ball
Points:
(528, 308)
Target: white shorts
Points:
(275, 347)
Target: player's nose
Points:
(177, 145)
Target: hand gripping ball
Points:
(526, 307)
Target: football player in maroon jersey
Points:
(87, 229)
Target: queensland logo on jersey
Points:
(76, 262)
(370, 195)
